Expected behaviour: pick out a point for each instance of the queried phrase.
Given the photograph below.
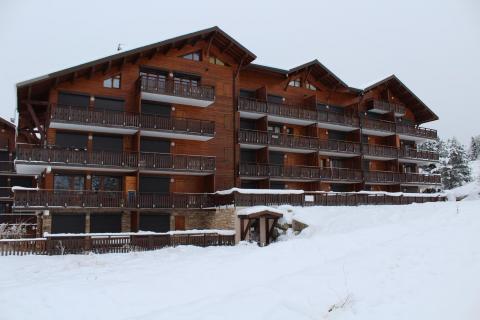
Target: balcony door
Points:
(154, 184)
(110, 104)
(107, 143)
(69, 182)
(276, 158)
(73, 100)
(156, 108)
(155, 145)
(71, 141)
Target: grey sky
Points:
(432, 46)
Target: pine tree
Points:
(454, 166)
(474, 151)
(437, 146)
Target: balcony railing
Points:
(380, 151)
(401, 178)
(386, 107)
(296, 142)
(176, 162)
(77, 157)
(295, 111)
(160, 85)
(298, 172)
(109, 199)
(108, 118)
(407, 153)
(277, 139)
(130, 160)
(339, 146)
(416, 131)
(378, 125)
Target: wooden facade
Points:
(193, 115)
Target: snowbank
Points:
(413, 262)
(256, 209)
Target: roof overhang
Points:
(421, 111)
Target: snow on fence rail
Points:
(244, 198)
(52, 245)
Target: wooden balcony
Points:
(383, 107)
(169, 91)
(387, 177)
(295, 114)
(338, 148)
(417, 156)
(107, 121)
(256, 171)
(377, 127)
(34, 160)
(168, 163)
(51, 199)
(252, 139)
(415, 133)
(379, 152)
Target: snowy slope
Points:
(383, 262)
(469, 190)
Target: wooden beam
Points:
(244, 232)
(227, 47)
(37, 102)
(35, 120)
(108, 67)
(91, 72)
(210, 42)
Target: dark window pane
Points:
(76, 100)
(108, 143)
(159, 146)
(161, 109)
(155, 222)
(276, 157)
(247, 94)
(109, 104)
(277, 185)
(155, 184)
(27, 182)
(61, 183)
(274, 99)
(105, 223)
(248, 156)
(247, 124)
(71, 140)
(337, 135)
(68, 223)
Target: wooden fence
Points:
(307, 199)
(56, 245)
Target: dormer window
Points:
(215, 60)
(295, 83)
(112, 82)
(310, 86)
(194, 56)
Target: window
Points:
(112, 82)
(73, 141)
(310, 86)
(106, 183)
(186, 79)
(68, 182)
(247, 94)
(74, 100)
(109, 104)
(107, 143)
(295, 83)
(194, 56)
(215, 60)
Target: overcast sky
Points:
(432, 46)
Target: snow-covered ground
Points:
(384, 262)
(471, 190)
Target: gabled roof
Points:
(8, 123)
(218, 37)
(419, 108)
(319, 71)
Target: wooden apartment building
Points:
(137, 140)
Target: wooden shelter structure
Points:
(257, 226)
